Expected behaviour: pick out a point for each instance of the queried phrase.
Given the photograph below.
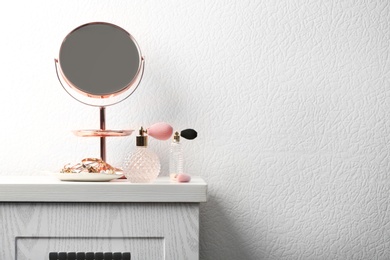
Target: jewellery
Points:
(90, 165)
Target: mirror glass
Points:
(100, 61)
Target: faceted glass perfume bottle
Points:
(143, 165)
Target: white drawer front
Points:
(161, 230)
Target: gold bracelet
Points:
(90, 165)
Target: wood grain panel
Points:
(176, 223)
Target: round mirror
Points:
(100, 63)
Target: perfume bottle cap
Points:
(142, 139)
(176, 137)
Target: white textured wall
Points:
(290, 98)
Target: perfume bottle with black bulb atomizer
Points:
(143, 165)
(176, 160)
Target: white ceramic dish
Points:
(88, 176)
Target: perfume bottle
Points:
(143, 165)
(176, 160)
(175, 157)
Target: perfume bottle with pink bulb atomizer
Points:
(143, 165)
(176, 160)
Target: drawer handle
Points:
(89, 256)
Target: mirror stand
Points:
(102, 138)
